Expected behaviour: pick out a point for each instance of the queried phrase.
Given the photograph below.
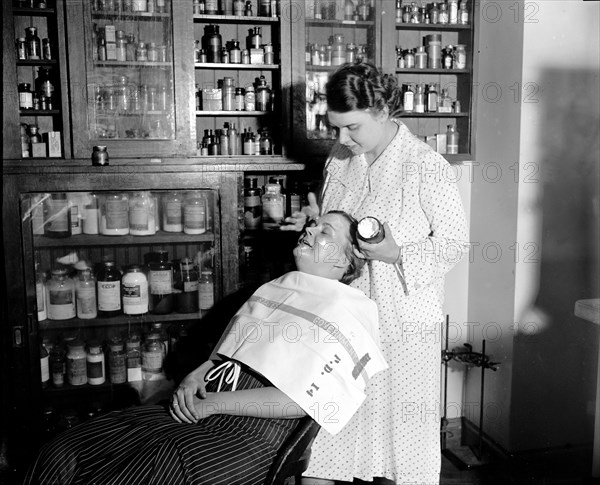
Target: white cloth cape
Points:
(314, 338)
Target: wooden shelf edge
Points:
(87, 240)
(121, 320)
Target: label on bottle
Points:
(135, 298)
(61, 304)
(117, 214)
(134, 367)
(152, 361)
(58, 372)
(194, 217)
(76, 371)
(95, 369)
(25, 100)
(138, 218)
(109, 296)
(118, 370)
(190, 286)
(173, 213)
(86, 301)
(206, 295)
(161, 282)
(272, 211)
(45, 368)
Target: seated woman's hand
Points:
(298, 220)
(191, 389)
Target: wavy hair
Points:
(355, 264)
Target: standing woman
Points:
(379, 168)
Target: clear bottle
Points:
(91, 214)
(186, 286)
(109, 290)
(85, 291)
(141, 52)
(117, 364)
(194, 213)
(96, 368)
(453, 12)
(451, 140)
(134, 359)
(76, 363)
(141, 214)
(40, 293)
(172, 212)
(44, 366)
(463, 13)
(263, 95)
(443, 17)
(409, 59)
(445, 102)
(57, 216)
(25, 142)
(160, 279)
(432, 98)
(60, 296)
(460, 57)
(152, 358)
(420, 99)
(408, 99)
(75, 203)
(25, 96)
(250, 99)
(114, 214)
(58, 366)
(238, 8)
(272, 204)
(134, 288)
(33, 44)
(252, 204)
(206, 290)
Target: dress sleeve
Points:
(424, 261)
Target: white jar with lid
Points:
(96, 369)
(60, 296)
(194, 213)
(172, 212)
(114, 214)
(142, 214)
(134, 288)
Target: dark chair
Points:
(293, 456)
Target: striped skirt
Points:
(144, 445)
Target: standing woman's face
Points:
(361, 131)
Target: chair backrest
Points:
(292, 458)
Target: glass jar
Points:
(186, 287)
(134, 288)
(91, 214)
(109, 290)
(117, 361)
(21, 49)
(141, 52)
(114, 214)
(451, 140)
(130, 48)
(160, 279)
(152, 358)
(141, 214)
(206, 290)
(263, 95)
(99, 156)
(33, 44)
(212, 43)
(85, 291)
(194, 213)
(172, 212)
(58, 366)
(96, 369)
(249, 99)
(266, 142)
(421, 58)
(133, 359)
(272, 206)
(76, 363)
(57, 216)
(338, 52)
(252, 204)
(460, 56)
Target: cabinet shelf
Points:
(34, 12)
(432, 115)
(131, 64)
(238, 19)
(130, 15)
(438, 27)
(135, 320)
(102, 240)
(39, 112)
(37, 62)
(432, 71)
(233, 113)
(85, 388)
(235, 67)
(340, 23)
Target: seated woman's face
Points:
(321, 250)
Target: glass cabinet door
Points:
(128, 98)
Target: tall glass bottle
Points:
(186, 297)
(57, 216)
(161, 283)
(109, 290)
(85, 290)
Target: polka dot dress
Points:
(395, 433)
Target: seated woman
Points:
(302, 344)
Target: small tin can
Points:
(370, 230)
(99, 156)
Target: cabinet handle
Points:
(18, 337)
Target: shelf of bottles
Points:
(38, 79)
(434, 70)
(130, 80)
(110, 261)
(238, 78)
(336, 32)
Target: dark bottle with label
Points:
(186, 297)
(43, 83)
(212, 43)
(252, 204)
(161, 283)
(109, 290)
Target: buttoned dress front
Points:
(396, 432)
